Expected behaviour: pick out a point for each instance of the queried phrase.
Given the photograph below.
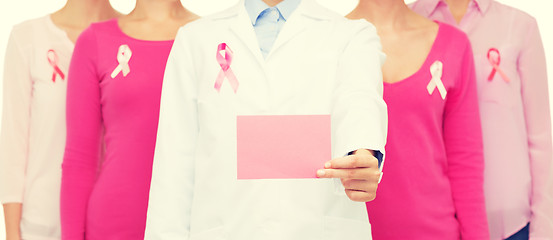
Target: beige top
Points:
(32, 138)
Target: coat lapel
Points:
(307, 13)
(242, 27)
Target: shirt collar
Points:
(431, 5)
(256, 7)
(483, 5)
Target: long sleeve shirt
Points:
(514, 109)
(433, 188)
(32, 138)
(114, 89)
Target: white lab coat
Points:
(320, 63)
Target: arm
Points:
(14, 140)
(535, 97)
(464, 150)
(84, 123)
(172, 184)
(359, 116)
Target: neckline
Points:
(426, 61)
(115, 22)
(59, 31)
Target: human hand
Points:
(359, 174)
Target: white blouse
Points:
(32, 138)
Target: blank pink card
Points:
(282, 146)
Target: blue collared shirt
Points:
(268, 21)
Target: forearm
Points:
(76, 187)
(12, 217)
(468, 197)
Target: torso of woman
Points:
(114, 90)
(33, 124)
(515, 116)
(432, 186)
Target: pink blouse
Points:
(514, 108)
(433, 186)
(114, 88)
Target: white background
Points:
(15, 11)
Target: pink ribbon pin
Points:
(53, 60)
(436, 70)
(224, 58)
(123, 57)
(495, 58)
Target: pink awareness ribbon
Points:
(224, 58)
(123, 57)
(436, 70)
(53, 60)
(495, 58)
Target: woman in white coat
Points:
(320, 64)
